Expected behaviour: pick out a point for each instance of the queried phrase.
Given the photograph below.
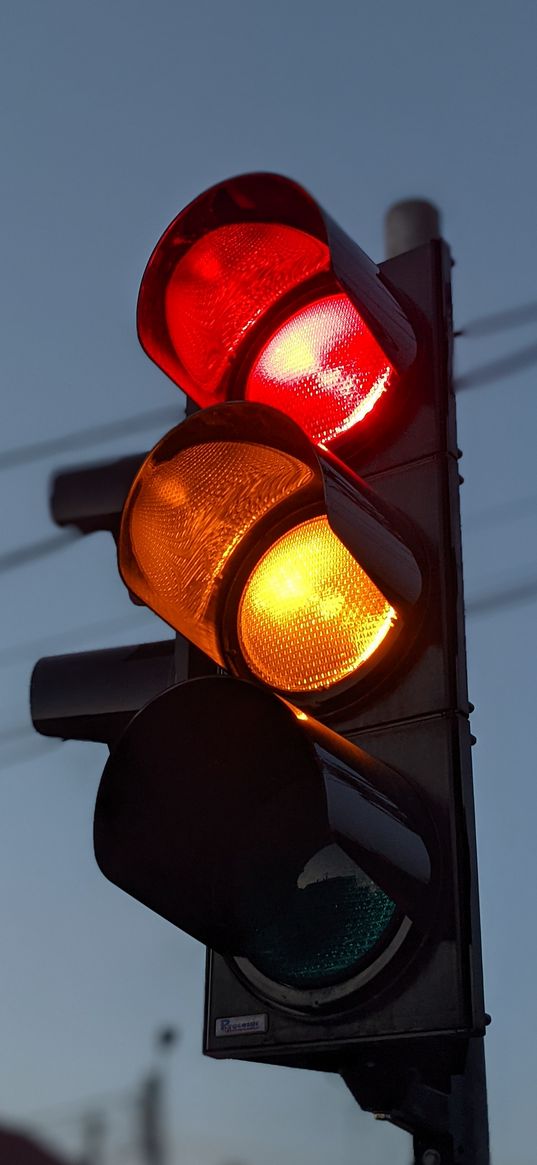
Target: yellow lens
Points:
(309, 615)
(187, 515)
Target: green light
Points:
(323, 927)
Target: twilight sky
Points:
(114, 114)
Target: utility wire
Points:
(34, 550)
(29, 647)
(497, 369)
(500, 321)
(97, 434)
(91, 435)
(513, 596)
(30, 747)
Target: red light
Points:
(323, 367)
(225, 282)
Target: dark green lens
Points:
(321, 927)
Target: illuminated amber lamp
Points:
(254, 293)
(235, 533)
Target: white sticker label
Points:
(241, 1025)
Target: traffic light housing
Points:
(254, 293)
(289, 786)
(270, 556)
(309, 815)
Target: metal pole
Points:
(93, 1135)
(154, 1141)
(152, 1138)
(410, 224)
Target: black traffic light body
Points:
(323, 849)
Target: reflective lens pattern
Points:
(323, 367)
(309, 615)
(185, 517)
(323, 926)
(225, 282)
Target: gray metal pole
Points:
(409, 224)
(152, 1135)
(93, 1135)
(154, 1140)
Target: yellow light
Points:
(187, 515)
(309, 615)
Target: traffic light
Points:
(253, 293)
(276, 561)
(304, 806)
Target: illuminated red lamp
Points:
(254, 293)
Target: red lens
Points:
(323, 367)
(225, 282)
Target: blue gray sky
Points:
(114, 114)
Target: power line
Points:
(513, 596)
(20, 651)
(97, 434)
(497, 369)
(500, 321)
(34, 550)
(518, 593)
(84, 438)
(30, 747)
